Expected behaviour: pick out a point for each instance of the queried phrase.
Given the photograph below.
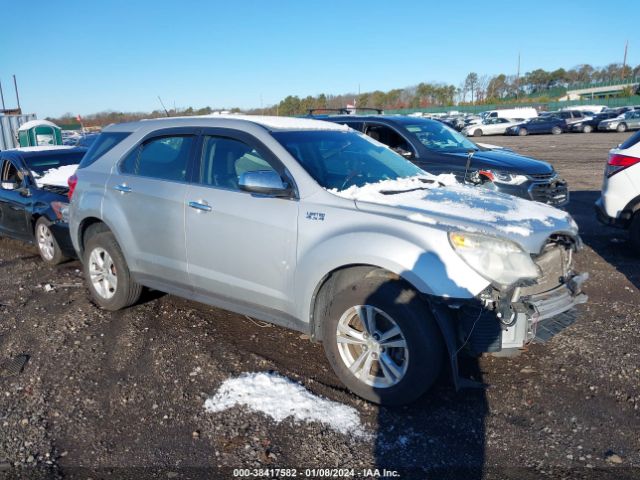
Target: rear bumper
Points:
(622, 221)
(60, 231)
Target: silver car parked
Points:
(319, 228)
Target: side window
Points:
(9, 174)
(165, 158)
(355, 125)
(225, 159)
(388, 136)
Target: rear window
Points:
(41, 163)
(631, 141)
(104, 143)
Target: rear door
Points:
(241, 247)
(146, 195)
(14, 220)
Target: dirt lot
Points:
(121, 394)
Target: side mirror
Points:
(24, 191)
(405, 153)
(8, 186)
(264, 182)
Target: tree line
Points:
(474, 89)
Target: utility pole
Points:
(518, 78)
(624, 62)
(15, 85)
(2, 96)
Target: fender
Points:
(435, 270)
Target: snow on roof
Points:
(42, 148)
(279, 397)
(56, 176)
(286, 123)
(36, 123)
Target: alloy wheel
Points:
(372, 346)
(46, 243)
(102, 272)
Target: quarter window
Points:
(165, 158)
(225, 159)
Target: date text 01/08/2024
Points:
(314, 473)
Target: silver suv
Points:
(319, 228)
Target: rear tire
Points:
(634, 232)
(47, 244)
(622, 128)
(587, 129)
(556, 130)
(522, 132)
(477, 133)
(107, 274)
(384, 374)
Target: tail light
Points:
(72, 181)
(618, 162)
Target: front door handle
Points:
(201, 206)
(122, 188)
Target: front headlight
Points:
(502, 262)
(504, 177)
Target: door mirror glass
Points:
(405, 153)
(9, 186)
(265, 182)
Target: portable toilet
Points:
(39, 132)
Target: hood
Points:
(428, 201)
(506, 161)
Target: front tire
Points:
(522, 132)
(382, 341)
(47, 244)
(477, 133)
(622, 128)
(587, 129)
(107, 274)
(556, 130)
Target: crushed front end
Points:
(504, 320)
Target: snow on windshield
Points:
(56, 176)
(430, 203)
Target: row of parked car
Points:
(526, 121)
(334, 228)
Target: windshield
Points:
(436, 136)
(339, 160)
(39, 164)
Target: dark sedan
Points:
(591, 125)
(542, 124)
(437, 149)
(33, 197)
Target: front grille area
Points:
(555, 264)
(542, 176)
(553, 193)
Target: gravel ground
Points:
(121, 394)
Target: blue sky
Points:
(89, 56)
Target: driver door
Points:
(241, 247)
(13, 204)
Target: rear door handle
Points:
(201, 206)
(123, 188)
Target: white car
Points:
(490, 126)
(619, 203)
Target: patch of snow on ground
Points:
(279, 397)
(56, 176)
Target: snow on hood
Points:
(56, 176)
(279, 398)
(459, 206)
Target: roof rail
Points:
(344, 110)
